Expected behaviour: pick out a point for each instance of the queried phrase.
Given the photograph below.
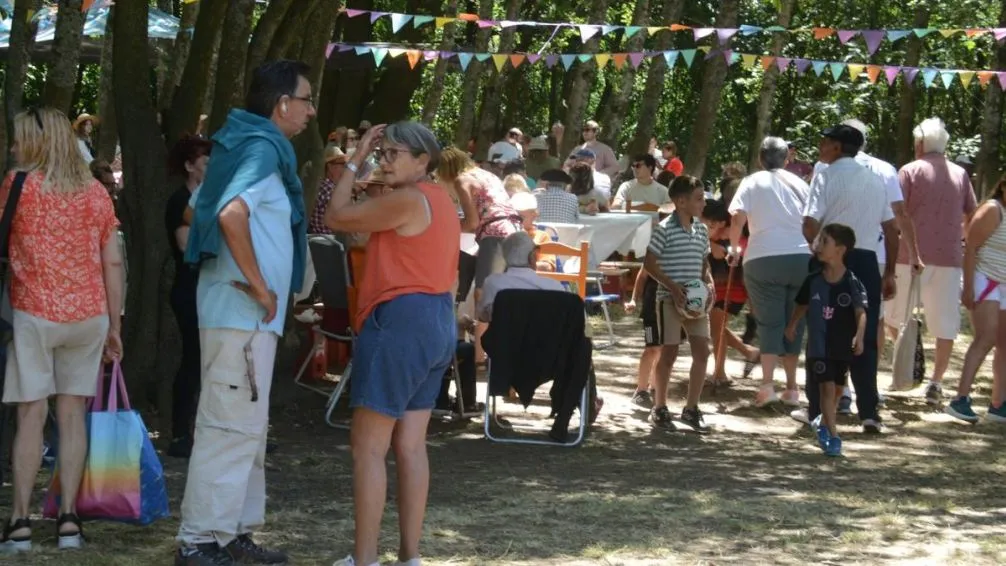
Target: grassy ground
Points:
(755, 491)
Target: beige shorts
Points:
(670, 324)
(941, 299)
(53, 358)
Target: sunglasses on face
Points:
(590, 129)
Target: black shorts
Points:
(651, 332)
(828, 371)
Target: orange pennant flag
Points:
(468, 17)
(974, 32)
(821, 33)
(413, 57)
(767, 62)
(602, 59)
(984, 77)
(86, 5)
(516, 59)
(679, 27)
(500, 61)
(619, 59)
(873, 72)
(855, 71)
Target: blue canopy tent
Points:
(160, 25)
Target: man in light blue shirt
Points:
(248, 236)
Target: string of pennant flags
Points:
(836, 69)
(871, 37)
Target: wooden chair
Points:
(562, 250)
(641, 207)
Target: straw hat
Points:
(84, 118)
(333, 153)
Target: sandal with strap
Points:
(69, 541)
(13, 544)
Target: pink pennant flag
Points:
(430, 55)
(728, 56)
(1002, 80)
(892, 74)
(699, 33)
(1000, 33)
(351, 13)
(344, 48)
(328, 50)
(872, 37)
(845, 35)
(532, 58)
(636, 59)
(375, 15)
(725, 34)
(801, 66)
(782, 63)
(485, 24)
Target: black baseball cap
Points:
(845, 135)
(556, 176)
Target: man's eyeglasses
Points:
(38, 119)
(306, 99)
(590, 129)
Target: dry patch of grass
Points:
(756, 491)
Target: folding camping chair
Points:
(332, 268)
(562, 306)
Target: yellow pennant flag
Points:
(413, 57)
(873, 72)
(395, 52)
(946, 33)
(619, 59)
(516, 59)
(705, 49)
(855, 71)
(500, 61)
(654, 29)
(748, 61)
(602, 59)
(966, 77)
(441, 22)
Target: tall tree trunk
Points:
(906, 112)
(265, 31)
(191, 93)
(179, 56)
(618, 105)
(649, 102)
(22, 39)
(149, 357)
(768, 84)
(309, 143)
(473, 80)
(62, 75)
(432, 103)
(292, 29)
(108, 130)
(230, 81)
(987, 170)
(583, 77)
(492, 96)
(355, 74)
(713, 78)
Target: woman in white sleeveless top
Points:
(985, 296)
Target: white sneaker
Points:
(348, 561)
(766, 396)
(413, 562)
(800, 416)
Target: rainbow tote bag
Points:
(123, 478)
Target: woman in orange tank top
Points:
(407, 327)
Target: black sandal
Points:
(69, 540)
(20, 543)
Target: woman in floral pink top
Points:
(486, 208)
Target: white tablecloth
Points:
(607, 233)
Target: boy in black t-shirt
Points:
(834, 301)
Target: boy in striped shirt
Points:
(678, 253)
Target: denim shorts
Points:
(403, 350)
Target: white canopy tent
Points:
(160, 25)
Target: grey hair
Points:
(933, 136)
(517, 249)
(859, 125)
(418, 138)
(773, 153)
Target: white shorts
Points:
(941, 299)
(996, 295)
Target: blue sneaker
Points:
(960, 408)
(997, 415)
(834, 447)
(823, 436)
